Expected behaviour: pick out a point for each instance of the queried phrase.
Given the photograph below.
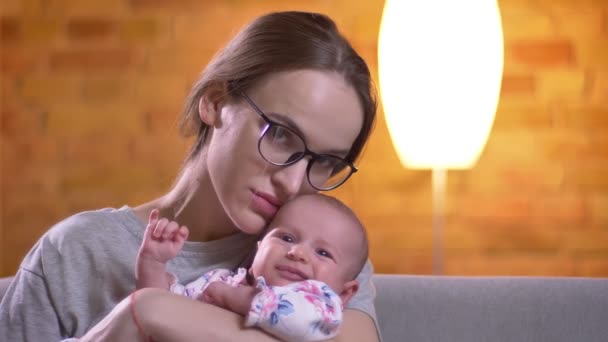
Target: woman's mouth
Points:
(266, 205)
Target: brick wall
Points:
(90, 92)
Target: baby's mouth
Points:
(291, 273)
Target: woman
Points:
(284, 109)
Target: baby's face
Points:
(309, 239)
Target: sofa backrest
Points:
(445, 308)
(433, 308)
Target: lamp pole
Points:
(439, 183)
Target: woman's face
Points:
(318, 104)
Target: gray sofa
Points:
(465, 309)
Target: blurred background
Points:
(91, 92)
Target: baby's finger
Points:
(161, 225)
(152, 221)
(183, 232)
(153, 217)
(170, 230)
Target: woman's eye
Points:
(278, 132)
(328, 163)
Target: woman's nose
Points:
(291, 178)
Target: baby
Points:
(302, 275)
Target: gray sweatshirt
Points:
(84, 265)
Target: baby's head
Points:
(313, 237)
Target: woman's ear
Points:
(350, 288)
(210, 103)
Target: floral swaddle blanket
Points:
(308, 310)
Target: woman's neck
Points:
(193, 202)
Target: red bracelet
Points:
(140, 330)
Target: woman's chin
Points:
(252, 224)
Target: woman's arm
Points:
(167, 317)
(357, 326)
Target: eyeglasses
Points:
(282, 146)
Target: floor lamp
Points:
(440, 69)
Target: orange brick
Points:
(175, 5)
(147, 31)
(16, 61)
(562, 210)
(598, 204)
(509, 264)
(561, 85)
(517, 84)
(22, 123)
(32, 7)
(580, 117)
(582, 21)
(495, 177)
(211, 25)
(572, 145)
(10, 29)
(51, 89)
(90, 29)
(165, 61)
(587, 176)
(509, 146)
(11, 7)
(592, 266)
(175, 88)
(24, 149)
(510, 209)
(69, 8)
(513, 116)
(103, 89)
(41, 32)
(542, 53)
(81, 120)
(411, 262)
(592, 53)
(597, 91)
(525, 22)
(592, 241)
(93, 59)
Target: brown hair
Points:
(277, 42)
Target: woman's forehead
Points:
(323, 106)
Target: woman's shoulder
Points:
(95, 225)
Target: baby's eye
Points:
(324, 253)
(287, 238)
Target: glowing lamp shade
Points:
(440, 70)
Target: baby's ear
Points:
(350, 288)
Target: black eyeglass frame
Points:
(313, 156)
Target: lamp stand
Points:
(439, 182)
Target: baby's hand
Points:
(236, 299)
(163, 239)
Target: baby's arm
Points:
(236, 299)
(302, 311)
(162, 240)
